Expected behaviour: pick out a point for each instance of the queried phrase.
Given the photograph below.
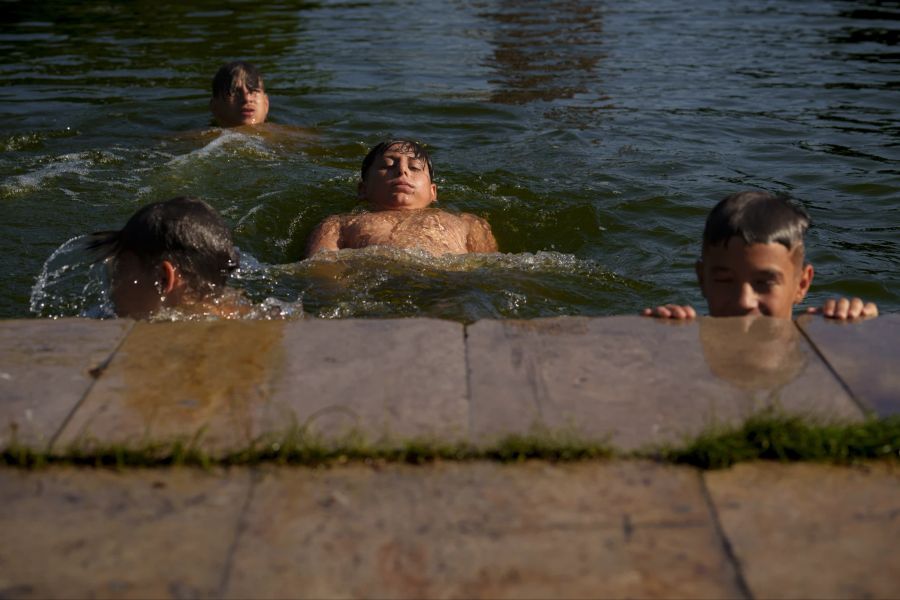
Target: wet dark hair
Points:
(228, 74)
(757, 218)
(417, 149)
(186, 231)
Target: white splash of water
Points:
(70, 283)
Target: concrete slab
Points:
(233, 381)
(473, 530)
(83, 533)
(865, 356)
(812, 531)
(397, 378)
(180, 380)
(45, 370)
(640, 380)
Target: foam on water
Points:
(228, 141)
(387, 282)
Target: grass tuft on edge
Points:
(300, 446)
(766, 436)
(774, 436)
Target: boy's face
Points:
(397, 180)
(753, 279)
(244, 104)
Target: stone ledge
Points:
(632, 380)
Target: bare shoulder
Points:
(474, 220)
(479, 237)
(326, 235)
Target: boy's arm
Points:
(844, 308)
(671, 311)
(326, 236)
(479, 237)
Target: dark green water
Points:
(594, 136)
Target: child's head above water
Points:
(168, 254)
(238, 95)
(752, 260)
(397, 175)
(752, 263)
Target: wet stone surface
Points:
(865, 356)
(812, 531)
(46, 369)
(640, 381)
(87, 533)
(200, 382)
(531, 530)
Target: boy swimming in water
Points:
(397, 183)
(752, 263)
(172, 254)
(238, 95)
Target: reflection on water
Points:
(100, 49)
(544, 50)
(753, 353)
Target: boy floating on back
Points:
(175, 254)
(397, 183)
(752, 263)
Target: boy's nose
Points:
(747, 299)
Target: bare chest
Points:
(434, 231)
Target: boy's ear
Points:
(434, 192)
(698, 269)
(361, 191)
(806, 277)
(170, 278)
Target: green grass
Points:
(767, 436)
(300, 447)
(773, 436)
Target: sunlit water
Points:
(593, 136)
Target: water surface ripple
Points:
(594, 136)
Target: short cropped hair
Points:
(757, 218)
(417, 150)
(186, 231)
(223, 82)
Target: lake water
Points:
(594, 136)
